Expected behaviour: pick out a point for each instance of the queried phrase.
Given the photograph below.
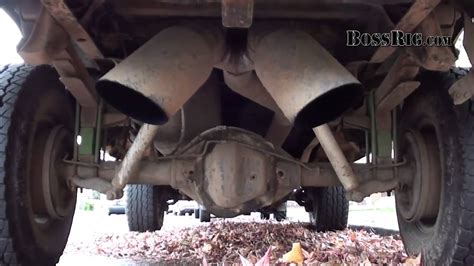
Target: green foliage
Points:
(88, 206)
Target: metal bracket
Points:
(463, 89)
(64, 16)
(436, 58)
(74, 75)
(468, 41)
(419, 10)
(237, 13)
(404, 69)
(396, 86)
(44, 41)
(396, 96)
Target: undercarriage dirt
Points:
(240, 106)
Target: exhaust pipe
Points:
(336, 157)
(155, 81)
(305, 80)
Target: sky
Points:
(11, 36)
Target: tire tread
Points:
(464, 234)
(11, 80)
(143, 207)
(331, 209)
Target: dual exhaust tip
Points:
(309, 85)
(155, 81)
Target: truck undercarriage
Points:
(241, 105)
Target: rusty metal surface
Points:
(463, 89)
(112, 119)
(235, 63)
(395, 87)
(396, 96)
(306, 82)
(253, 172)
(154, 82)
(356, 121)
(44, 41)
(97, 184)
(418, 196)
(175, 171)
(436, 58)
(336, 157)
(237, 13)
(235, 175)
(249, 86)
(404, 69)
(371, 181)
(55, 195)
(419, 10)
(131, 163)
(305, 157)
(80, 91)
(63, 15)
(468, 41)
(75, 77)
(301, 9)
(232, 171)
(152, 172)
(192, 119)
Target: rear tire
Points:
(204, 215)
(36, 134)
(329, 208)
(280, 216)
(280, 213)
(145, 208)
(439, 225)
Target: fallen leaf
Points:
(222, 241)
(413, 261)
(245, 262)
(207, 248)
(295, 255)
(265, 260)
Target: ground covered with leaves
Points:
(225, 241)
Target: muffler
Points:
(309, 85)
(155, 81)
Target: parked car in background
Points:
(183, 207)
(279, 213)
(117, 207)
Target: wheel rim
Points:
(52, 199)
(418, 195)
(56, 193)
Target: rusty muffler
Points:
(309, 85)
(155, 81)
